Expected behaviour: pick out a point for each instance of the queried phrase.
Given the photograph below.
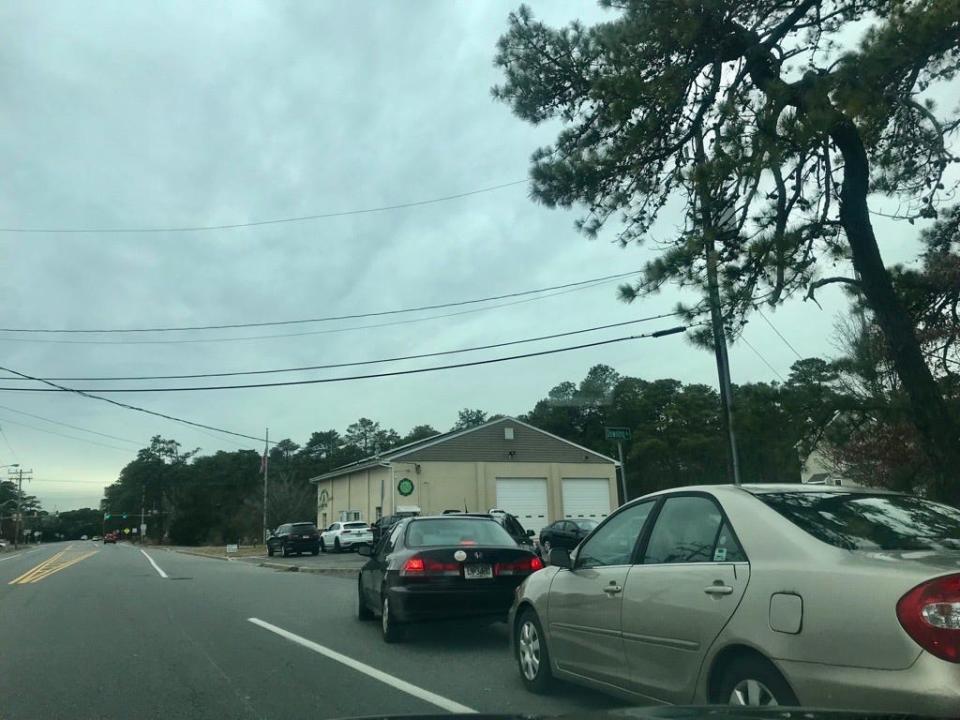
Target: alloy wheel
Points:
(529, 646)
(752, 693)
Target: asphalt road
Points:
(94, 631)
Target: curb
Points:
(278, 566)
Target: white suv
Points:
(345, 535)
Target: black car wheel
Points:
(315, 551)
(284, 550)
(363, 611)
(269, 550)
(530, 649)
(388, 623)
(754, 682)
(323, 545)
(336, 545)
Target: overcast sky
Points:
(156, 114)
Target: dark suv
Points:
(294, 538)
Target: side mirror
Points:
(559, 557)
(364, 549)
(530, 533)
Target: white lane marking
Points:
(25, 552)
(155, 566)
(401, 685)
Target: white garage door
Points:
(586, 498)
(526, 498)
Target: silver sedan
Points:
(757, 595)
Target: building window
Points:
(378, 511)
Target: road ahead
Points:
(94, 631)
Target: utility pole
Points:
(143, 500)
(710, 225)
(623, 472)
(19, 518)
(266, 471)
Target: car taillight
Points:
(424, 567)
(523, 566)
(930, 613)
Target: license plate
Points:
(306, 537)
(477, 572)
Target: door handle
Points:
(612, 589)
(718, 589)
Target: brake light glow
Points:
(523, 566)
(425, 567)
(930, 613)
(413, 566)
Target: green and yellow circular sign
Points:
(405, 487)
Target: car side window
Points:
(686, 531)
(613, 544)
(728, 549)
(390, 543)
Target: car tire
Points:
(392, 632)
(269, 551)
(336, 545)
(315, 551)
(363, 611)
(323, 546)
(284, 551)
(754, 682)
(530, 650)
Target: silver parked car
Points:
(819, 596)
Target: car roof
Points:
(757, 489)
(454, 516)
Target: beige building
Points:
(506, 464)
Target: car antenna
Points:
(465, 505)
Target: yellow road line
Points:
(51, 565)
(50, 571)
(38, 568)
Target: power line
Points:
(73, 482)
(86, 392)
(127, 406)
(786, 342)
(330, 318)
(757, 353)
(64, 435)
(392, 323)
(6, 441)
(257, 223)
(72, 427)
(365, 362)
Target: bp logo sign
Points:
(405, 487)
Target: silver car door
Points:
(584, 604)
(677, 600)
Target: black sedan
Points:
(565, 534)
(294, 538)
(438, 568)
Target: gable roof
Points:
(384, 458)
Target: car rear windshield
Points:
(857, 521)
(300, 527)
(354, 525)
(457, 531)
(586, 524)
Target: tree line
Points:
(851, 409)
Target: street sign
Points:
(134, 531)
(106, 516)
(124, 516)
(618, 433)
(126, 531)
(232, 548)
(143, 528)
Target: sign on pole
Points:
(232, 548)
(143, 528)
(618, 433)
